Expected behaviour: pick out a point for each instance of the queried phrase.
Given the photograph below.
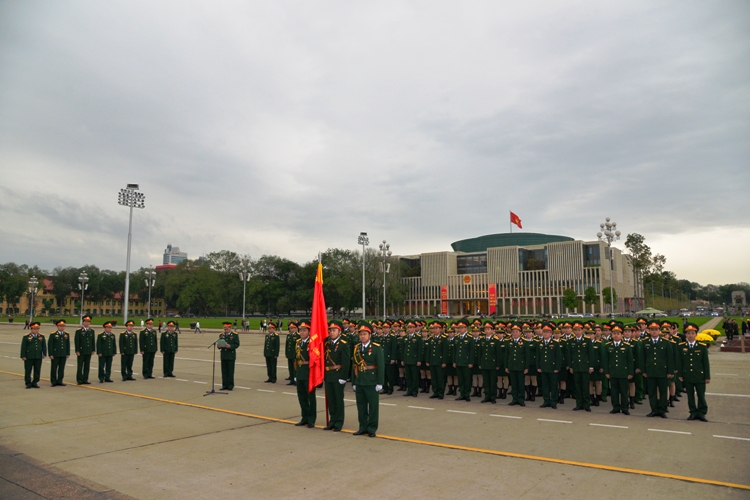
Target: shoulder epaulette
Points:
(375, 343)
(682, 343)
(703, 344)
(342, 341)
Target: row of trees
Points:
(212, 286)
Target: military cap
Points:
(546, 326)
(654, 323)
(304, 323)
(34, 324)
(462, 321)
(60, 321)
(515, 326)
(411, 323)
(605, 326)
(476, 321)
(336, 323)
(107, 323)
(129, 322)
(365, 326)
(226, 323)
(616, 328)
(691, 326)
(488, 323)
(449, 328)
(577, 324)
(292, 322)
(150, 319)
(170, 323)
(641, 319)
(86, 317)
(273, 325)
(566, 323)
(386, 323)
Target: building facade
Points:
(172, 255)
(523, 274)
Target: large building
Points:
(172, 255)
(517, 274)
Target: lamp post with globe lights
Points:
(608, 234)
(33, 282)
(364, 241)
(385, 252)
(83, 285)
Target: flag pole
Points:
(510, 222)
(325, 393)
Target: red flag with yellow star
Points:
(318, 334)
(514, 219)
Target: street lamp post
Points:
(150, 282)
(129, 197)
(245, 277)
(364, 241)
(608, 234)
(33, 282)
(385, 252)
(83, 285)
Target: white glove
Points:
(342, 381)
(354, 387)
(378, 388)
(295, 380)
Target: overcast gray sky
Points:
(289, 127)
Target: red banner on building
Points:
(492, 296)
(444, 300)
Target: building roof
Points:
(482, 243)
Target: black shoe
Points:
(328, 427)
(595, 401)
(267, 381)
(588, 409)
(554, 407)
(691, 417)
(512, 403)
(230, 388)
(61, 384)
(632, 404)
(359, 433)
(406, 395)
(434, 396)
(109, 380)
(222, 388)
(467, 399)
(614, 411)
(701, 418)
(337, 429)
(652, 414)
(101, 380)
(87, 383)
(371, 434)
(35, 385)
(291, 383)
(521, 403)
(577, 408)
(493, 401)
(28, 386)
(300, 423)
(310, 426)
(288, 378)
(625, 412)
(440, 397)
(485, 400)
(124, 379)
(663, 415)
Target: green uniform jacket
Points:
(635, 345)
(168, 342)
(532, 346)
(580, 354)
(301, 356)
(33, 348)
(549, 356)
(489, 353)
(476, 349)
(463, 350)
(106, 345)
(618, 361)
(517, 355)
(290, 345)
(411, 350)
(147, 340)
(373, 357)
(598, 347)
(692, 364)
(657, 359)
(502, 355)
(424, 348)
(272, 345)
(128, 343)
(59, 345)
(337, 354)
(389, 347)
(437, 353)
(233, 342)
(84, 341)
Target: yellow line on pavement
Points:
(485, 451)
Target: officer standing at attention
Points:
(695, 372)
(106, 348)
(59, 352)
(437, 359)
(307, 402)
(271, 348)
(517, 365)
(411, 359)
(148, 342)
(548, 365)
(619, 368)
(488, 363)
(369, 374)
(463, 359)
(657, 364)
(33, 351)
(85, 345)
(338, 357)
(128, 350)
(228, 356)
(168, 346)
(290, 349)
(581, 364)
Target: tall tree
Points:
(570, 298)
(640, 254)
(590, 296)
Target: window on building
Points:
(532, 260)
(471, 264)
(591, 256)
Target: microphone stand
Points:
(213, 373)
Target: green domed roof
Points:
(482, 243)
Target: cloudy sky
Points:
(289, 127)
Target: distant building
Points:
(172, 255)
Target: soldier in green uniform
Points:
(605, 337)
(639, 335)
(516, 365)
(168, 346)
(290, 350)
(33, 351)
(400, 339)
(128, 350)
(694, 371)
(476, 348)
(369, 373)
(530, 380)
(389, 351)
(451, 379)
(581, 365)
(502, 375)
(595, 381)
(84, 343)
(425, 377)
(271, 347)
(436, 359)
(549, 363)
(463, 359)
(411, 359)
(487, 361)
(617, 361)
(228, 356)
(106, 348)
(58, 346)
(338, 357)
(562, 375)
(307, 402)
(148, 342)
(657, 364)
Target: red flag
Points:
(318, 334)
(514, 219)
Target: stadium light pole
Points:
(129, 197)
(245, 277)
(150, 282)
(364, 241)
(33, 282)
(608, 234)
(385, 252)
(83, 285)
